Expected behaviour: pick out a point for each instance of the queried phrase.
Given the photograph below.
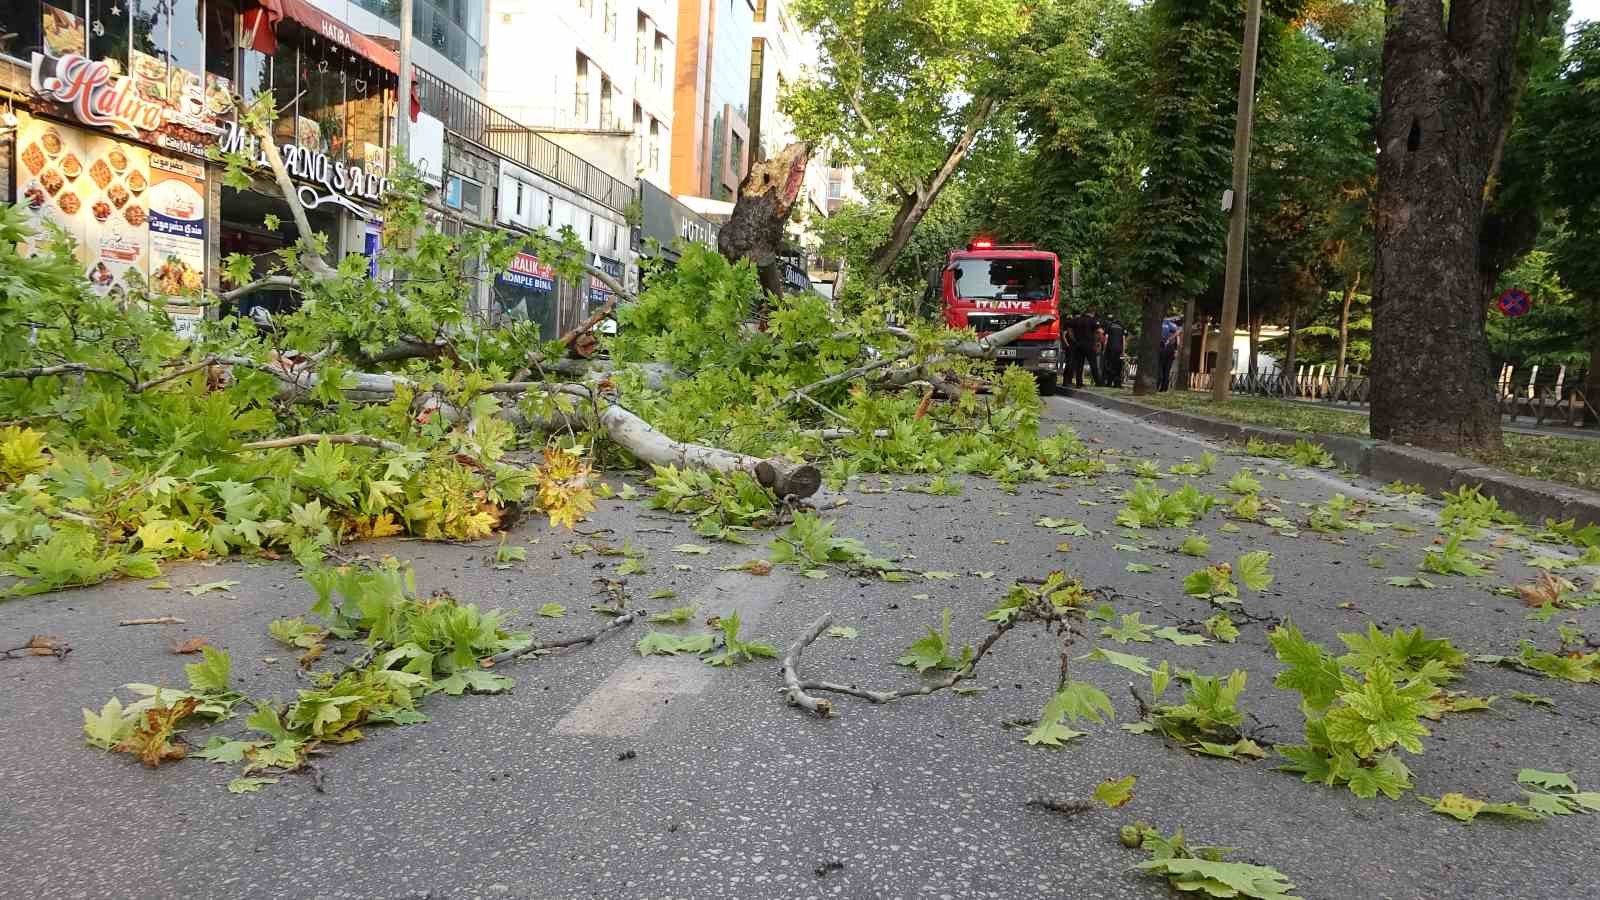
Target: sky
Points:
(1585, 9)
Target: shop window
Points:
(364, 116)
(466, 195)
(321, 123)
(108, 31)
(221, 27)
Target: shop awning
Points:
(262, 16)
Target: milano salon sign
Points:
(344, 184)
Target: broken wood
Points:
(158, 620)
(622, 621)
(794, 692)
(754, 229)
(359, 440)
(651, 446)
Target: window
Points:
(661, 56)
(221, 24)
(466, 195)
(605, 104)
(608, 18)
(655, 145)
(835, 189)
(580, 93)
(321, 123)
(111, 43)
(640, 49)
(638, 134)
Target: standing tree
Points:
(1451, 79)
(905, 87)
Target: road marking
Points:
(637, 693)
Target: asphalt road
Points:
(729, 793)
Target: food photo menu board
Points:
(126, 208)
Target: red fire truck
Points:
(990, 286)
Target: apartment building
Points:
(781, 55)
(711, 102)
(593, 76)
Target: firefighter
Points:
(1116, 344)
(1082, 328)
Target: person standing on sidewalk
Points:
(1082, 327)
(1171, 328)
(1116, 343)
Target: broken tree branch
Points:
(39, 645)
(793, 691)
(622, 621)
(159, 620)
(359, 440)
(786, 479)
(984, 347)
(268, 283)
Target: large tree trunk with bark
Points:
(1591, 384)
(1185, 337)
(1292, 385)
(1449, 89)
(915, 202)
(1344, 322)
(754, 230)
(1255, 348)
(1155, 309)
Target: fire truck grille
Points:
(987, 324)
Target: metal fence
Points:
(1557, 399)
(493, 130)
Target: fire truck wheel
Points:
(1047, 383)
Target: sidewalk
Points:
(1533, 498)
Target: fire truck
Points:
(991, 286)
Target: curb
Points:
(1531, 498)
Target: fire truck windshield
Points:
(1004, 279)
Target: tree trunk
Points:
(1449, 90)
(1344, 322)
(1292, 385)
(1591, 384)
(1205, 343)
(754, 230)
(915, 203)
(1181, 369)
(1155, 309)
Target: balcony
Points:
(487, 127)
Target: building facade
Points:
(448, 36)
(593, 76)
(119, 115)
(711, 98)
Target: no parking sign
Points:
(1514, 302)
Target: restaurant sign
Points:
(134, 107)
(344, 184)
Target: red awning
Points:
(262, 16)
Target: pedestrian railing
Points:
(1560, 400)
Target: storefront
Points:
(665, 225)
(528, 291)
(127, 99)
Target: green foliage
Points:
(935, 651)
(1467, 513)
(1209, 717)
(1355, 720)
(1452, 559)
(660, 643)
(1075, 701)
(1244, 483)
(811, 544)
(1581, 668)
(1195, 545)
(735, 650)
(1150, 506)
(1201, 869)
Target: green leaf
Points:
(210, 675)
(244, 785)
(843, 631)
(695, 549)
(1130, 629)
(1222, 879)
(939, 576)
(1138, 568)
(661, 643)
(476, 681)
(1252, 570)
(1195, 545)
(1550, 781)
(1410, 581)
(1532, 699)
(199, 589)
(1182, 639)
(1138, 665)
(1115, 792)
(632, 566)
(1051, 734)
(222, 750)
(109, 726)
(552, 610)
(674, 616)
(1222, 628)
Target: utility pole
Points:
(402, 110)
(1221, 382)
